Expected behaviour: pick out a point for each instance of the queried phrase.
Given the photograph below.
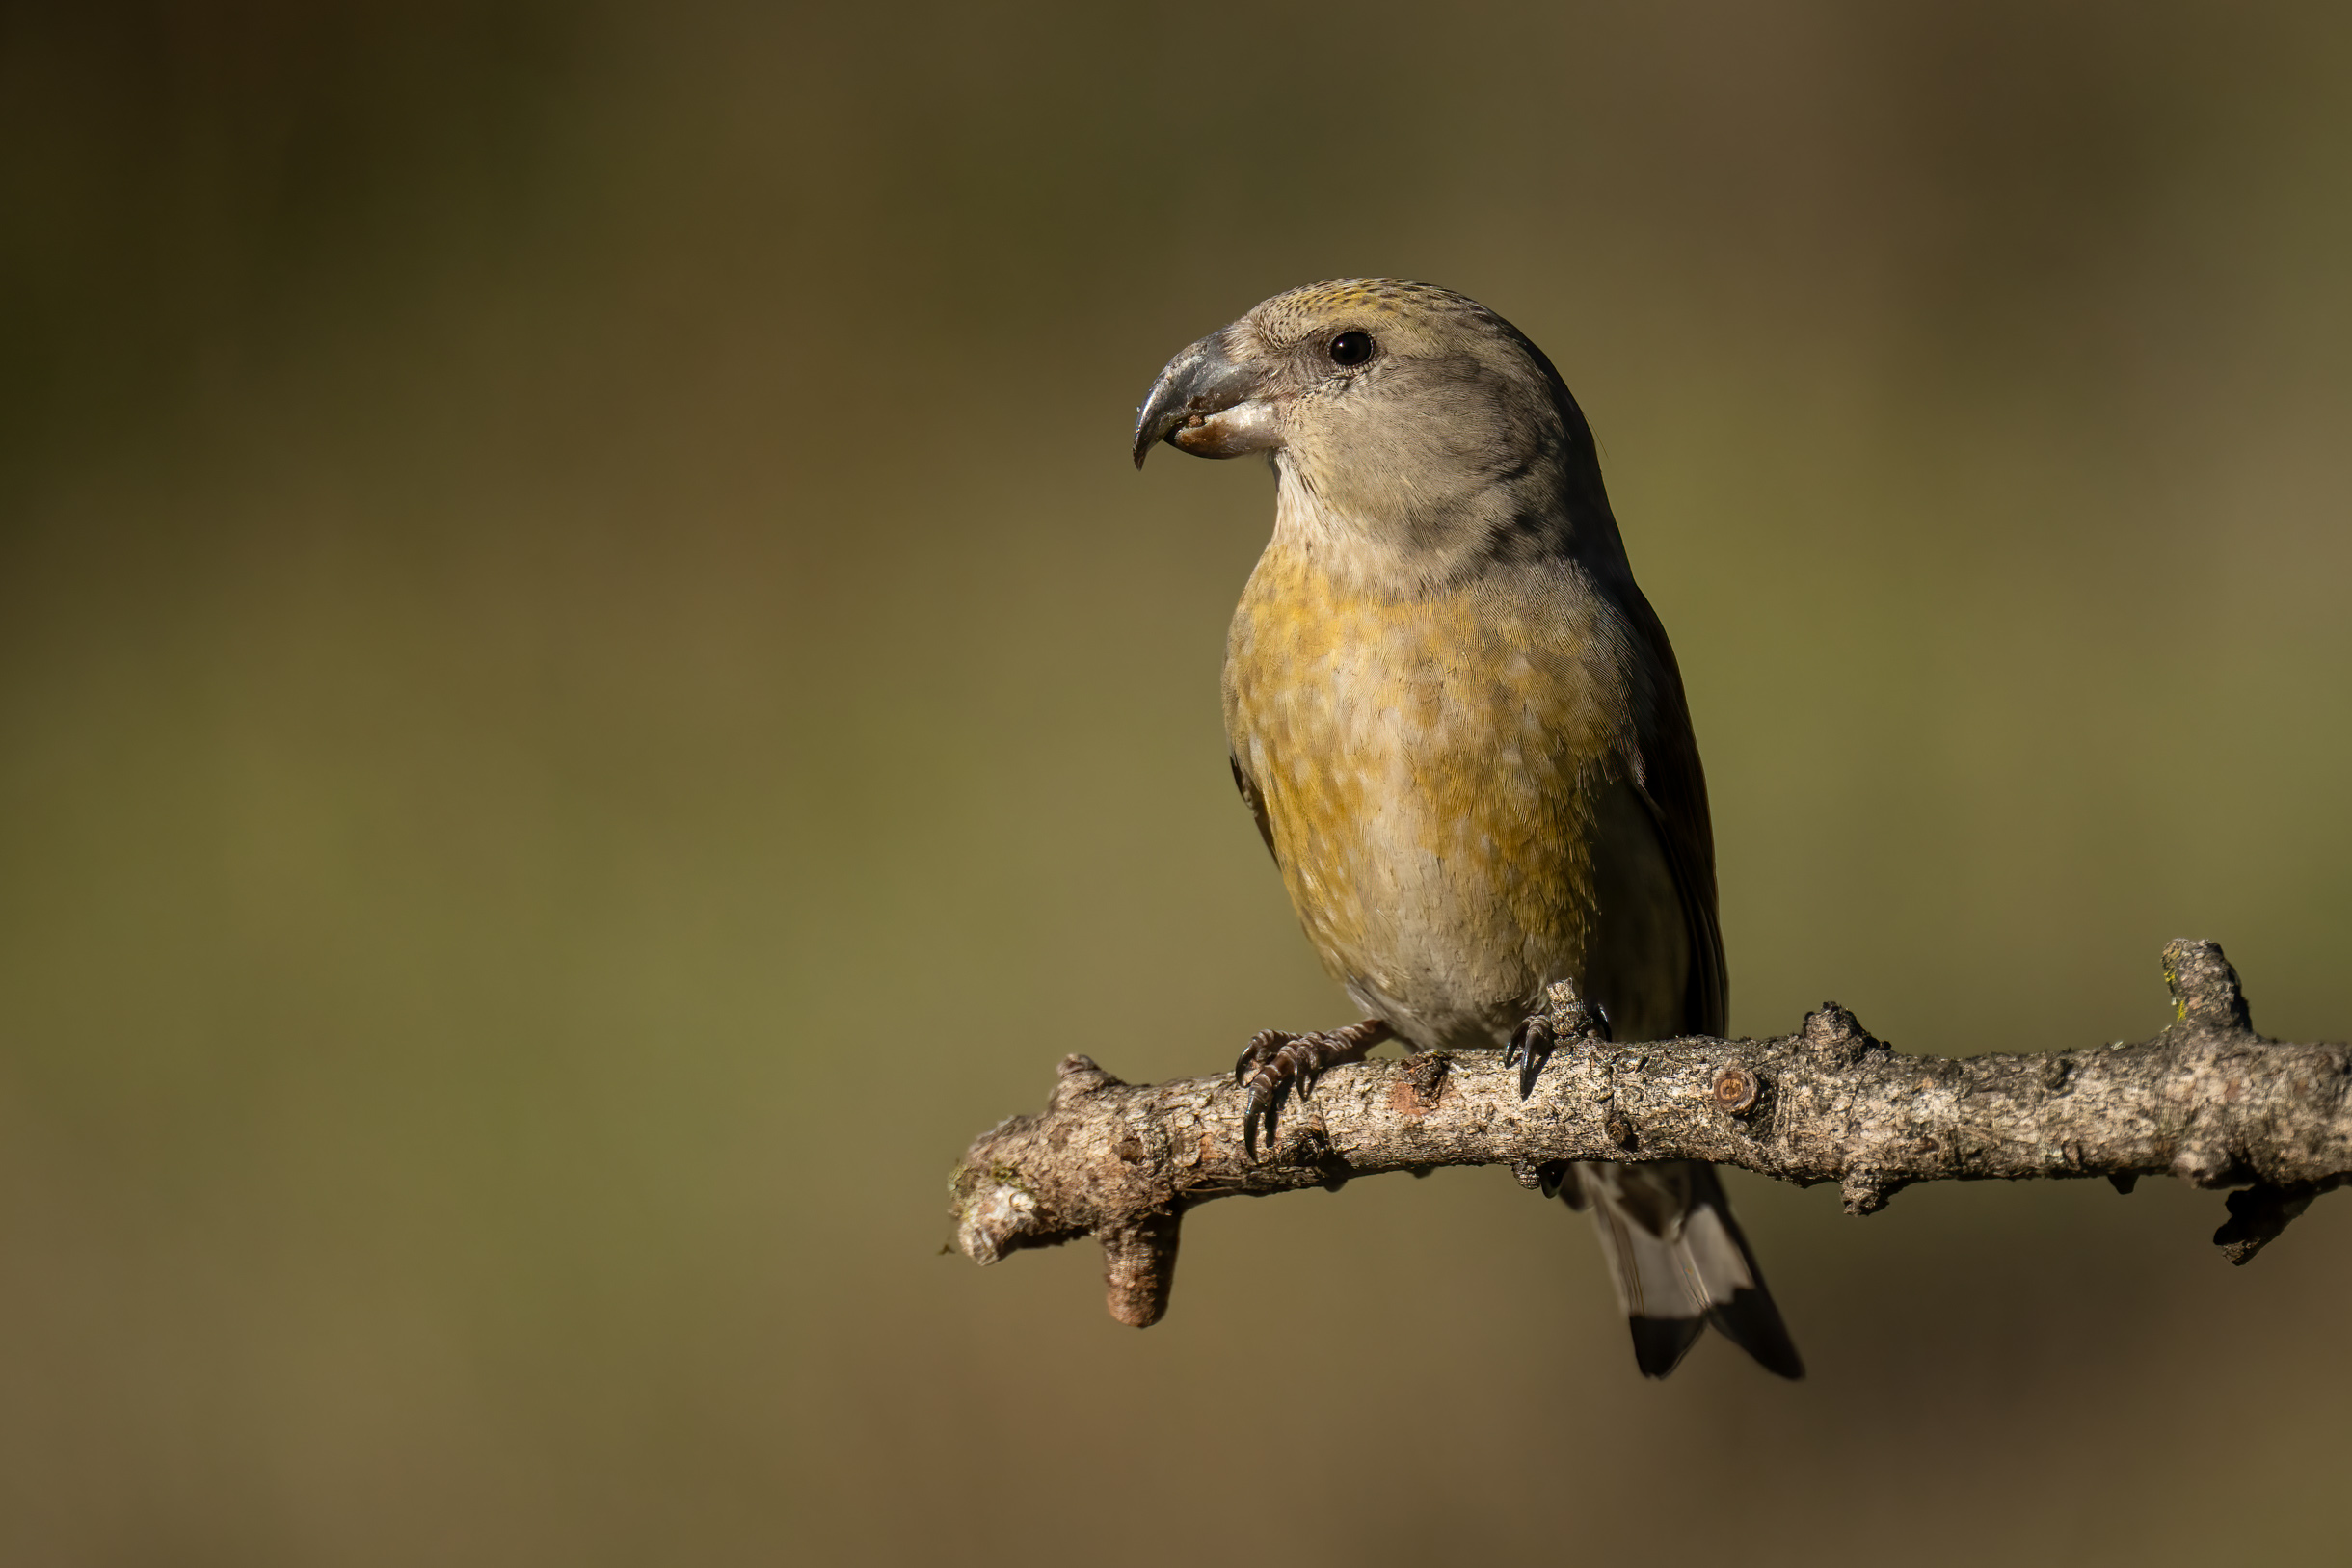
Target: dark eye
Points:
(1350, 348)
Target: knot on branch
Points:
(1735, 1090)
(1862, 1193)
(993, 1213)
(1077, 1075)
(2205, 988)
(1424, 1085)
(1837, 1036)
(1138, 1269)
(2260, 1212)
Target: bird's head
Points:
(1415, 413)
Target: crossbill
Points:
(1462, 733)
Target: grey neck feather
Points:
(1409, 522)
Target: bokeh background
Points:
(587, 692)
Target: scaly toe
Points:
(1262, 1047)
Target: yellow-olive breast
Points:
(1435, 772)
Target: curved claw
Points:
(1261, 1106)
(1530, 1046)
(1288, 1065)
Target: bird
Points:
(1465, 738)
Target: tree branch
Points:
(2208, 1100)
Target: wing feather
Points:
(1256, 804)
(1673, 786)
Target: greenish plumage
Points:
(1463, 729)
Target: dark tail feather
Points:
(1659, 1343)
(1679, 1263)
(1750, 1322)
(1750, 1319)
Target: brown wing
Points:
(1674, 787)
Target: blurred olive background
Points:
(587, 692)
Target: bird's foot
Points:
(1565, 1016)
(1276, 1059)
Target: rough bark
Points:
(2208, 1100)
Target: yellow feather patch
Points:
(1429, 769)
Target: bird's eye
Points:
(1350, 348)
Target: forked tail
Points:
(1680, 1262)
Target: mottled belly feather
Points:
(1415, 762)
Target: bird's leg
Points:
(1275, 1059)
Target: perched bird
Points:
(1464, 735)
